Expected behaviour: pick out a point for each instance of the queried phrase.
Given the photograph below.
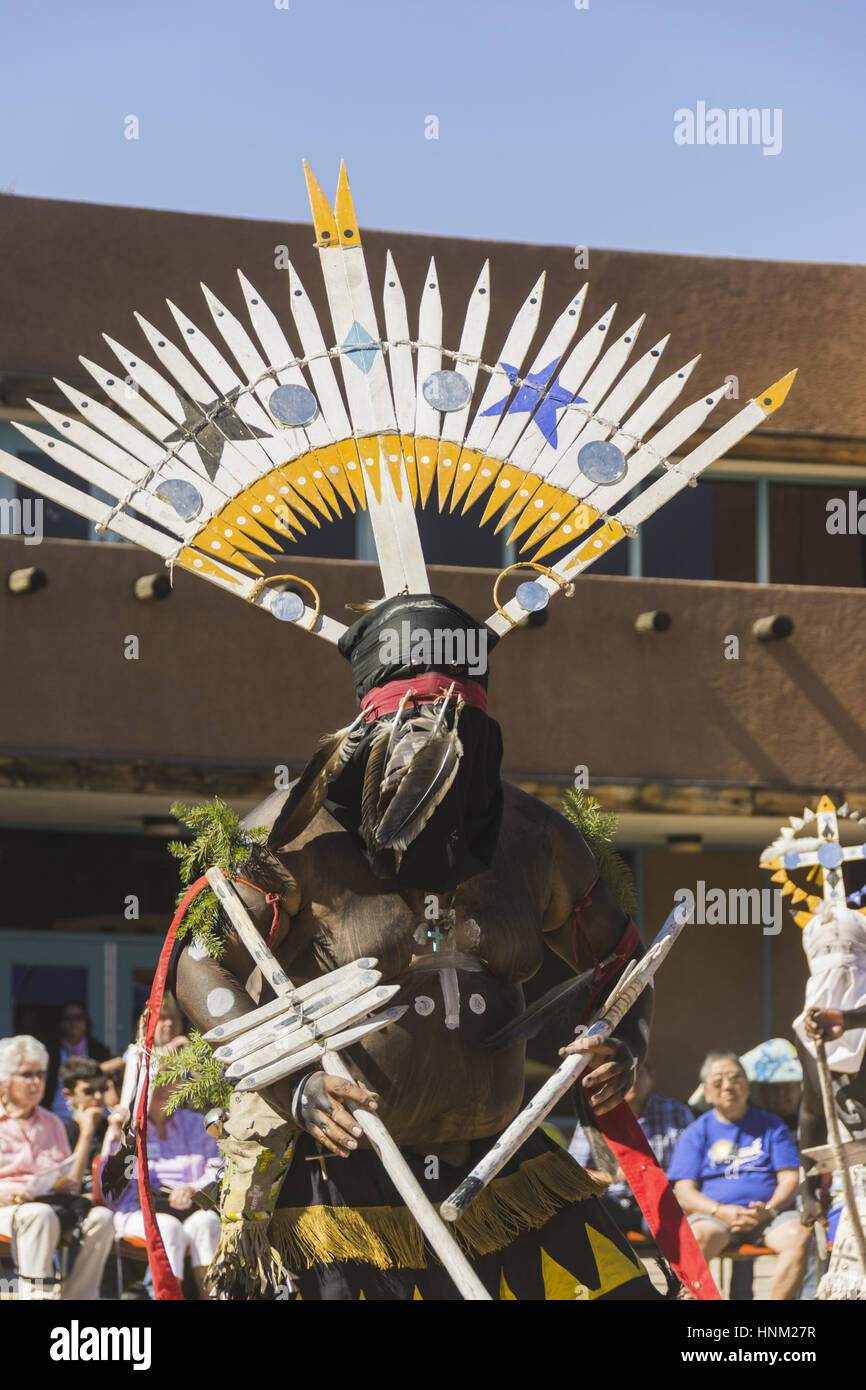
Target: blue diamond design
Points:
(355, 347)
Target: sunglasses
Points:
(95, 1090)
(30, 1075)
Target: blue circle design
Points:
(830, 855)
(532, 596)
(602, 462)
(792, 861)
(293, 405)
(287, 606)
(446, 391)
(185, 498)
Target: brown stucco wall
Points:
(220, 683)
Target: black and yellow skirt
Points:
(537, 1232)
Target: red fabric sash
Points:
(165, 1285)
(654, 1196)
(652, 1191)
(385, 699)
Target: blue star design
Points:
(531, 394)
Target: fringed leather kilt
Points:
(537, 1232)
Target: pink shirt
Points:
(27, 1147)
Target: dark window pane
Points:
(802, 551)
(678, 538)
(330, 540)
(57, 522)
(449, 538)
(734, 542)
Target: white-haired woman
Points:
(32, 1142)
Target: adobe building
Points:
(701, 737)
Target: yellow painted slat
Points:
(344, 211)
(446, 470)
(324, 221)
(348, 451)
(369, 453)
(263, 502)
(524, 486)
(190, 559)
(426, 455)
(597, 544)
(393, 453)
(502, 492)
(332, 465)
(299, 474)
(483, 477)
(467, 466)
(568, 530)
(407, 447)
(539, 504)
(550, 507)
(211, 540)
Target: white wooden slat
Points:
(118, 487)
(547, 360)
(533, 453)
(514, 350)
(320, 366)
(599, 381)
(659, 449)
(399, 351)
(264, 378)
(610, 412)
(84, 505)
(202, 393)
(427, 418)
(469, 352)
(265, 447)
(185, 464)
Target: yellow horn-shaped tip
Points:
(774, 396)
(825, 805)
(324, 221)
(347, 222)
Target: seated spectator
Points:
(775, 1077)
(85, 1086)
(183, 1158)
(74, 1039)
(735, 1173)
(33, 1142)
(662, 1121)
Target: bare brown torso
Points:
(436, 1080)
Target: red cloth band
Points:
(655, 1197)
(385, 699)
(165, 1285)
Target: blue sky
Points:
(555, 124)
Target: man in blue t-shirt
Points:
(735, 1173)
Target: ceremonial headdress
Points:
(220, 463)
(834, 934)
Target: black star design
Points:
(210, 435)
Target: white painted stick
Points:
(442, 1242)
(632, 983)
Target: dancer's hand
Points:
(607, 1083)
(324, 1112)
(824, 1024)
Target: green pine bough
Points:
(218, 839)
(598, 828)
(195, 1077)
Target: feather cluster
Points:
(310, 792)
(410, 770)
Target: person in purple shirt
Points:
(735, 1173)
(182, 1157)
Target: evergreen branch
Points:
(195, 1077)
(218, 839)
(598, 828)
